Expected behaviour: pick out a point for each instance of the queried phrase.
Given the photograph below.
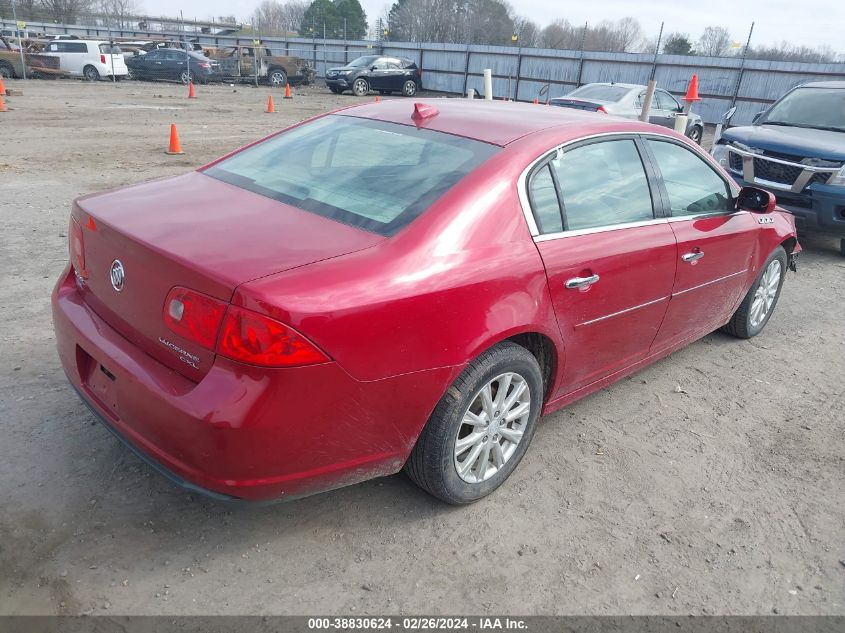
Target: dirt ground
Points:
(711, 482)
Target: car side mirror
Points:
(755, 200)
(373, 67)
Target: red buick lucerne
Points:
(400, 285)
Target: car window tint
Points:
(600, 92)
(371, 174)
(603, 184)
(381, 64)
(544, 201)
(693, 186)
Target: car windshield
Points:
(821, 108)
(362, 61)
(370, 174)
(600, 92)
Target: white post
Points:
(488, 84)
(470, 93)
(681, 123)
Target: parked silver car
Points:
(626, 100)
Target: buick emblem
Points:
(117, 275)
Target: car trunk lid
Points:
(199, 233)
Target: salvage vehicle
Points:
(796, 148)
(402, 284)
(376, 72)
(251, 63)
(627, 100)
(174, 64)
(37, 65)
(89, 59)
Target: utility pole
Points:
(742, 66)
(20, 38)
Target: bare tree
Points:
(561, 34)
(278, 18)
(119, 12)
(714, 42)
(630, 35)
(65, 11)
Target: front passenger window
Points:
(693, 186)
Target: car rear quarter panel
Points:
(463, 276)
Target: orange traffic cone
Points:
(2, 87)
(536, 101)
(288, 95)
(270, 106)
(378, 99)
(692, 91)
(175, 146)
(2, 104)
(192, 93)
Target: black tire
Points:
(745, 322)
(360, 87)
(187, 76)
(7, 71)
(695, 134)
(842, 247)
(277, 78)
(90, 73)
(336, 90)
(433, 464)
(409, 88)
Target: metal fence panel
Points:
(451, 68)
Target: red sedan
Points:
(402, 285)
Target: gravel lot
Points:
(724, 496)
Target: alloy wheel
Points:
(766, 293)
(360, 87)
(278, 79)
(492, 427)
(410, 88)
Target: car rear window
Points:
(370, 174)
(115, 50)
(603, 93)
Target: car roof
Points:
(607, 83)
(824, 84)
(495, 122)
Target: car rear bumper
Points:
(819, 208)
(242, 432)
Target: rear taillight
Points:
(601, 109)
(76, 248)
(193, 315)
(102, 59)
(256, 339)
(204, 65)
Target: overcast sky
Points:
(809, 23)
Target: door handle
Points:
(692, 257)
(581, 282)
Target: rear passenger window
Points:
(603, 184)
(693, 186)
(544, 201)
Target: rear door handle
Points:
(692, 257)
(581, 282)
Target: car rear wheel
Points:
(409, 88)
(6, 71)
(360, 87)
(758, 305)
(695, 135)
(187, 77)
(277, 78)
(481, 428)
(90, 73)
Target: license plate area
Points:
(99, 382)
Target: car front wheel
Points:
(695, 135)
(409, 88)
(481, 428)
(277, 78)
(360, 88)
(758, 305)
